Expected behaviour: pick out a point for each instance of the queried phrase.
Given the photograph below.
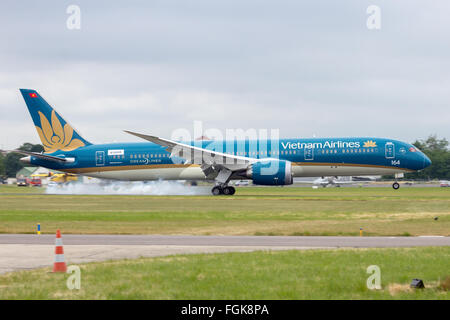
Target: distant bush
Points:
(445, 285)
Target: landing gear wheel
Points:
(395, 185)
(229, 191)
(216, 191)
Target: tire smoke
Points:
(157, 188)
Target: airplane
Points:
(364, 178)
(266, 162)
(327, 182)
(57, 177)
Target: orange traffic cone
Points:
(60, 264)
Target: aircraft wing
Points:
(345, 182)
(213, 163)
(59, 175)
(43, 175)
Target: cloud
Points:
(307, 68)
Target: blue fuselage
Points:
(309, 157)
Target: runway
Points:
(262, 241)
(28, 251)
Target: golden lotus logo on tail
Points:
(54, 137)
(370, 144)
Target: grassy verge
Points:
(253, 211)
(310, 274)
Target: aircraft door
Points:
(389, 150)
(309, 153)
(100, 158)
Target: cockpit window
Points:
(412, 149)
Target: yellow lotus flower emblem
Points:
(370, 144)
(54, 137)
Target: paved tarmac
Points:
(263, 241)
(28, 251)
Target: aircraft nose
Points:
(426, 161)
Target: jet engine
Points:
(271, 172)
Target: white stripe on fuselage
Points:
(195, 173)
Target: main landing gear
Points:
(222, 186)
(225, 190)
(395, 185)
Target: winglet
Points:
(154, 139)
(140, 135)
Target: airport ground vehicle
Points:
(23, 182)
(36, 182)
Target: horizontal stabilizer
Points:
(40, 155)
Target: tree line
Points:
(10, 164)
(436, 149)
(439, 153)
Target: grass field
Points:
(253, 211)
(309, 274)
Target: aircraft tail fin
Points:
(56, 134)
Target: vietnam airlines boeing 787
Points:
(265, 162)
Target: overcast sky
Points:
(309, 68)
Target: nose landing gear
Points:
(395, 185)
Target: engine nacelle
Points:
(271, 172)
